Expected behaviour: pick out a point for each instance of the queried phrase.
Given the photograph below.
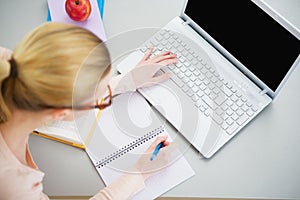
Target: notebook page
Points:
(65, 130)
(113, 135)
(74, 131)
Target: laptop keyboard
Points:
(216, 97)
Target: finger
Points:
(169, 148)
(157, 141)
(170, 152)
(162, 54)
(152, 68)
(165, 155)
(157, 78)
(148, 54)
(161, 78)
(163, 57)
(168, 62)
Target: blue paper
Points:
(100, 5)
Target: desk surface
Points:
(259, 162)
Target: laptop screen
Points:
(250, 35)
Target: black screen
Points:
(249, 34)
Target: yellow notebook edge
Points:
(81, 146)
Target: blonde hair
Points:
(48, 65)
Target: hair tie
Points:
(13, 68)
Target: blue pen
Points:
(156, 150)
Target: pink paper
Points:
(94, 23)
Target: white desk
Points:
(260, 162)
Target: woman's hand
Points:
(145, 72)
(148, 167)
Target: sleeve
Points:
(21, 183)
(123, 188)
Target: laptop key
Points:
(242, 119)
(217, 118)
(232, 128)
(209, 102)
(177, 80)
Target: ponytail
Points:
(5, 69)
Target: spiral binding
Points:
(129, 147)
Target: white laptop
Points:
(234, 57)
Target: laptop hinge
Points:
(264, 91)
(186, 22)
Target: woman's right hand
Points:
(149, 167)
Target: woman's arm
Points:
(123, 188)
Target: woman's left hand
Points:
(145, 74)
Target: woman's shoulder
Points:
(18, 180)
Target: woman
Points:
(38, 83)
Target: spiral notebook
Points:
(133, 126)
